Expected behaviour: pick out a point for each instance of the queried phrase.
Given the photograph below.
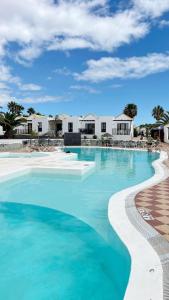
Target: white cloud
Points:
(7, 79)
(30, 87)
(152, 8)
(45, 99)
(63, 71)
(37, 26)
(47, 25)
(5, 73)
(108, 68)
(5, 97)
(164, 23)
(3, 86)
(116, 86)
(86, 88)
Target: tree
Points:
(31, 111)
(158, 112)
(15, 108)
(130, 110)
(164, 120)
(10, 121)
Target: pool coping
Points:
(147, 266)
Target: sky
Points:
(85, 56)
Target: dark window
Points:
(122, 126)
(89, 128)
(103, 127)
(39, 126)
(29, 128)
(70, 127)
(122, 129)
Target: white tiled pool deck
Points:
(58, 162)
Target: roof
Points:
(161, 127)
(123, 117)
(89, 116)
(34, 116)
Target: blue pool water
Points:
(22, 155)
(71, 252)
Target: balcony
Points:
(121, 132)
(87, 131)
(22, 131)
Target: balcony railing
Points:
(121, 132)
(87, 131)
(22, 131)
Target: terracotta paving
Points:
(153, 205)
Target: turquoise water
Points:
(22, 155)
(71, 252)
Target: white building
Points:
(166, 133)
(35, 123)
(120, 127)
(1, 130)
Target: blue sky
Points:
(85, 56)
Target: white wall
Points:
(166, 133)
(45, 126)
(1, 130)
(103, 119)
(74, 120)
(11, 141)
(35, 120)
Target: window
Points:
(39, 126)
(123, 129)
(103, 127)
(122, 126)
(70, 127)
(29, 128)
(89, 128)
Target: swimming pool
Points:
(71, 252)
(22, 155)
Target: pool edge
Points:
(146, 277)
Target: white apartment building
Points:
(120, 127)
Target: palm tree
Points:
(10, 121)
(130, 110)
(164, 120)
(31, 111)
(158, 112)
(15, 108)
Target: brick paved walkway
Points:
(153, 205)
